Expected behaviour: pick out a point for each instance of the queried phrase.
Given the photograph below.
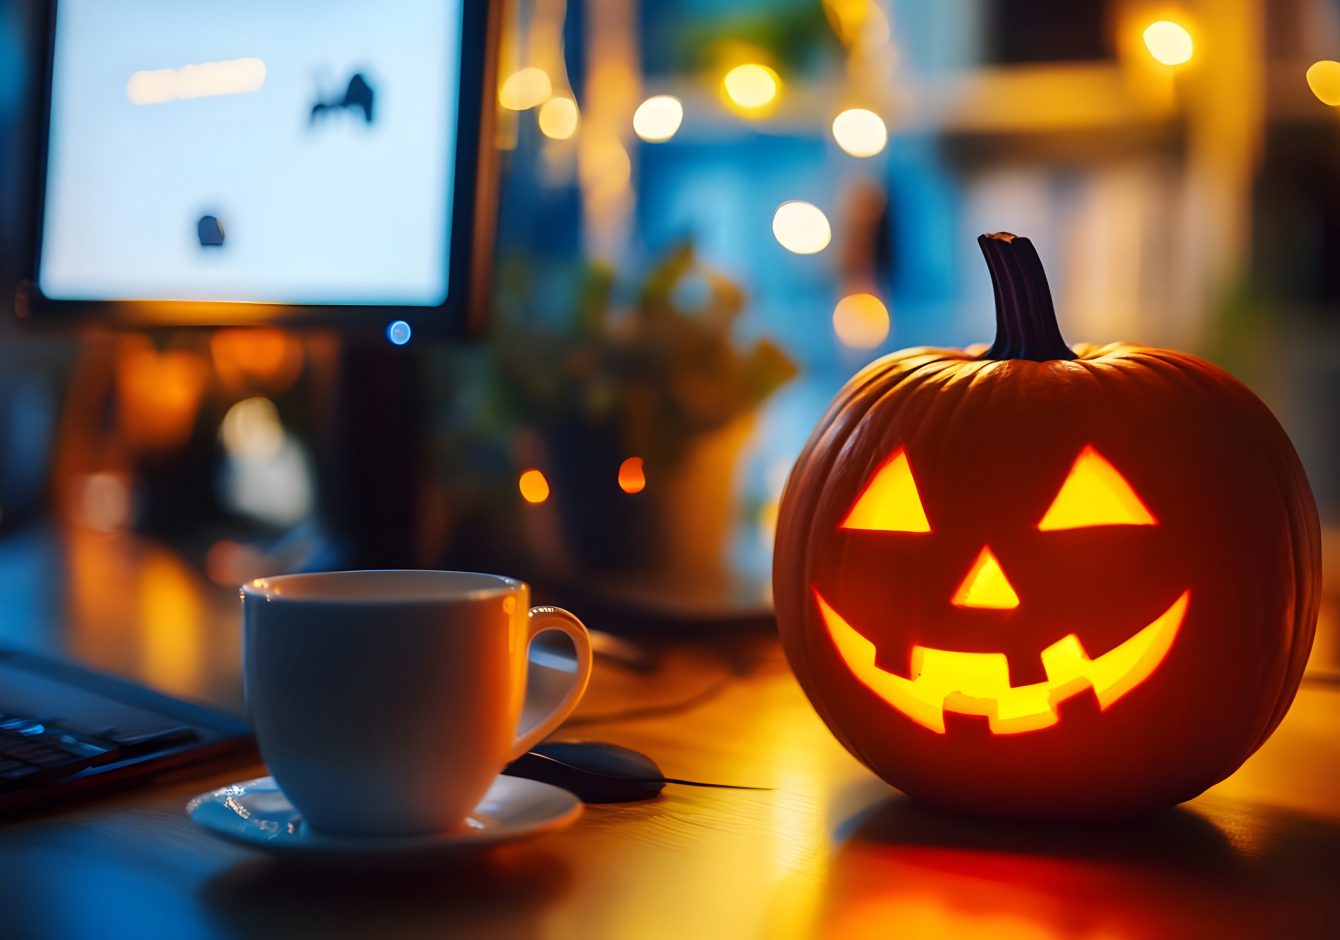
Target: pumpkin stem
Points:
(1025, 318)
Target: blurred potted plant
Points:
(638, 411)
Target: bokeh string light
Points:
(751, 86)
(632, 477)
(1169, 43)
(860, 132)
(533, 486)
(1324, 79)
(861, 321)
(801, 227)
(558, 118)
(657, 119)
(525, 88)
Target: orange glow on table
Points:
(831, 852)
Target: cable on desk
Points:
(653, 711)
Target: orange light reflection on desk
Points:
(138, 609)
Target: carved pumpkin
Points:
(1047, 583)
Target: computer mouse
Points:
(595, 771)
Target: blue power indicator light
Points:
(398, 332)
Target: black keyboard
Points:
(33, 751)
(67, 730)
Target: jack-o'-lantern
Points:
(1044, 582)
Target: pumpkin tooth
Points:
(903, 667)
(1026, 670)
(974, 674)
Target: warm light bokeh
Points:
(632, 478)
(861, 321)
(103, 501)
(848, 18)
(159, 394)
(1324, 79)
(533, 486)
(1169, 42)
(751, 86)
(605, 169)
(801, 227)
(860, 132)
(525, 88)
(658, 118)
(558, 118)
(260, 356)
(251, 428)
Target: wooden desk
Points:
(831, 852)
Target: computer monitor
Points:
(304, 161)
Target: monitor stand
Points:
(373, 463)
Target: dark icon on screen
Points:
(357, 97)
(210, 231)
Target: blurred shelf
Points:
(1055, 98)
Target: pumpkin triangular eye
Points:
(1095, 494)
(889, 502)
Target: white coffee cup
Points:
(386, 702)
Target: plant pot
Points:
(679, 525)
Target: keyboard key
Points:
(30, 696)
(72, 745)
(33, 751)
(60, 722)
(130, 744)
(18, 774)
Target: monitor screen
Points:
(254, 151)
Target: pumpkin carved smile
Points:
(979, 683)
(1094, 495)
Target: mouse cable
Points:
(653, 711)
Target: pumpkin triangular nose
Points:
(986, 585)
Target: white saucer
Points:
(256, 814)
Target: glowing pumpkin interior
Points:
(1094, 493)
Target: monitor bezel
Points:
(463, 311)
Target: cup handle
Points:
(555, 706)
